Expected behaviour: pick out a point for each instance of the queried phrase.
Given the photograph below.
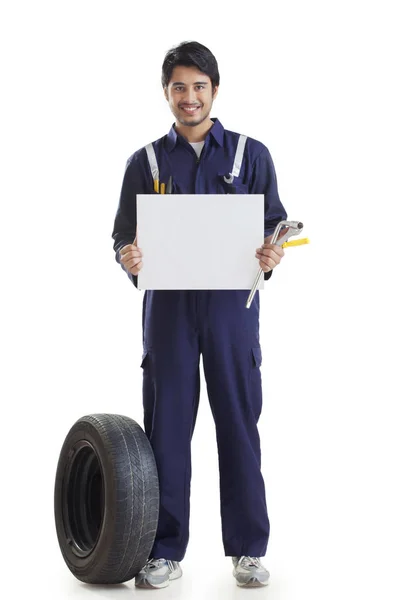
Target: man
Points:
(178, 325)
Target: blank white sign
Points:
(199, 241)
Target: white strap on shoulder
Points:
(237, 162)
(151, 155)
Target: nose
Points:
(190, 97)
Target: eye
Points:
(178, 88)
(200, 86)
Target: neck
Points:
(194, 134)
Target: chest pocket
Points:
(236, 187)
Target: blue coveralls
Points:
(180, 325)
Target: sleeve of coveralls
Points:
(263, 181)
(124, 231)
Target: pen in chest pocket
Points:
(162, 188)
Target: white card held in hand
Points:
(199, 241)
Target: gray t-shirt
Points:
(197, 147)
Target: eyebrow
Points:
(195, 83)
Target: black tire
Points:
(106, 499)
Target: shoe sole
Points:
(146, 584)
(253, 582)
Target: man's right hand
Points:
(131, 258)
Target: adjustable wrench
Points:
(294, 228)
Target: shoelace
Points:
(250, 561)
(156, 563)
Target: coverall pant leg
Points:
(177, 327)
(232, 359)
(171, 390)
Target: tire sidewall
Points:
(80, 566)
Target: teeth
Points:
(190, 109)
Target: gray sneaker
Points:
(157, 573)
(249, 572)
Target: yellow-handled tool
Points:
(296, 242)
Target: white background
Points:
(317, 83)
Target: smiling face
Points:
(190, 97)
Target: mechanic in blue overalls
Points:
(178, 325)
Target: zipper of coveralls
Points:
(196, 292)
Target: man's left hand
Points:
(269, 255)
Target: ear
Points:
(215, 92)
(166, 93)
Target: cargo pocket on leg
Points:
(148, 394)
(256, 382)
(144, 358)
(257, 356)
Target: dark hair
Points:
(190, 54)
